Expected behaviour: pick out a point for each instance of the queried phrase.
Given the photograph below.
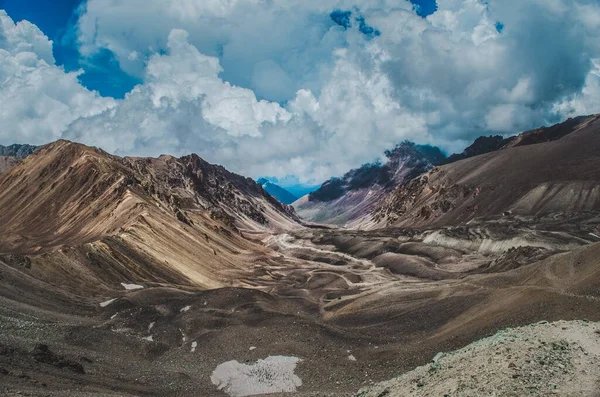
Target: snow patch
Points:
(351, 358)
(113, 316)
(108, 302)
(252, 348)
(130, 287)
(594, 235)
(151, 326)
(275, 374)
(185, 309)
(149, 338)
(194, 346)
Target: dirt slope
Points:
(558, 176)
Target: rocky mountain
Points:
(282, 195)
(349, 198)
(13, 154)
(554, 169)
(174, 277)
(182, 218)
(16, 150)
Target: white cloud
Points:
(276, 88)
(38, 100)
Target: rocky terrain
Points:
(346, 200)
(487, 144)
(561, 358)
(174, 277)
(16, 150)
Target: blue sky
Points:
(297, 90)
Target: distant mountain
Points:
(16, 150)
(282, 195)
(12, 155)
(346, 199)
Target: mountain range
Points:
(346, 200)
(171, 276)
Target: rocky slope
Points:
(174, 277)
(560, 358)
(561, 175)
(346, 200)
(132, 219)
(282, 195)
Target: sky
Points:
(295, 90)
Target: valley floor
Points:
(331, 312)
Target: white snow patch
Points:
(131, 286)
(185, 309)
(149, 338)
(194, 346)
(275, 374)
(113, 316)
(108, 302)
(252, 348)
(594, 235)
(351, 358)
(151, 326)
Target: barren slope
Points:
(558, 176)
(173, 269)
(144, 220)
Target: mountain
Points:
(174, 277)
(13, 154)
(550, 170)
(182, 218)
(349, 198)
(16, 150)
(487, 144)
(7, 162)
(277, 191)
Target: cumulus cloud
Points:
(278, 88)
(39, 100)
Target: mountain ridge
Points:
(555, 175)
(349, 198)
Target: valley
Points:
(174, 277)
